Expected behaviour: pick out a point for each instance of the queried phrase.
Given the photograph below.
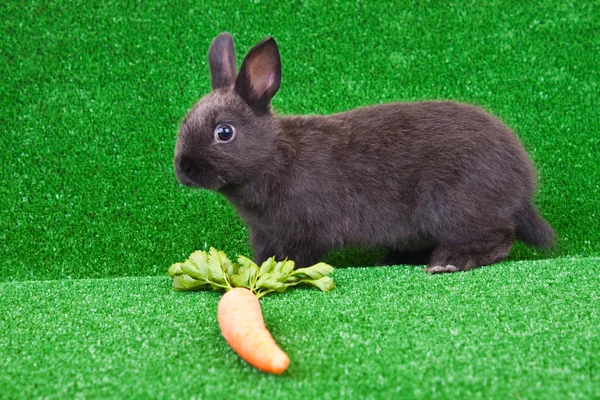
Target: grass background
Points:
(92, 96)
(505, 332)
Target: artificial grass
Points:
(93, 96)
(91, 215)
(519, 330)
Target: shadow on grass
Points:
(354, 257)
(364, 257)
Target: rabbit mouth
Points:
(204, 182)
(201, 174)
(214, 185)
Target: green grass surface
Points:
(520, 330)
(91, 215)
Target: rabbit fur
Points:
(437, 183)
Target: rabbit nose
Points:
(185, 164)
(184, 170)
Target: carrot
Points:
(244, 282)
(243, 327)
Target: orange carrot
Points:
(243, 327)
(239, 313)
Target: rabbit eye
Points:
(224, 133)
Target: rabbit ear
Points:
(221, 58)
(260, 75)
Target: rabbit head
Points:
(230, 136)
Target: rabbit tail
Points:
(534, 230)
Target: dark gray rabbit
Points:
(434, 182)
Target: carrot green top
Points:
(214, 270)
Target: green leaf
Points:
(250, 275)
(283, 270)
(221, 258)
(186, 282)
(199, 258)
(226, 265)
(195, 271)
(267, 266)
(175, 269)
(288, 267)
(317, 271)
(176, 284)
(262, 279)
(237, 280)
(273, 284)
(277, 267)
(248, 272)
(215, 271)
(245, 263)
(214, 257)
(231, 268)
(325, 283)
(293, 279)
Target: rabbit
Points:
(435, 183)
